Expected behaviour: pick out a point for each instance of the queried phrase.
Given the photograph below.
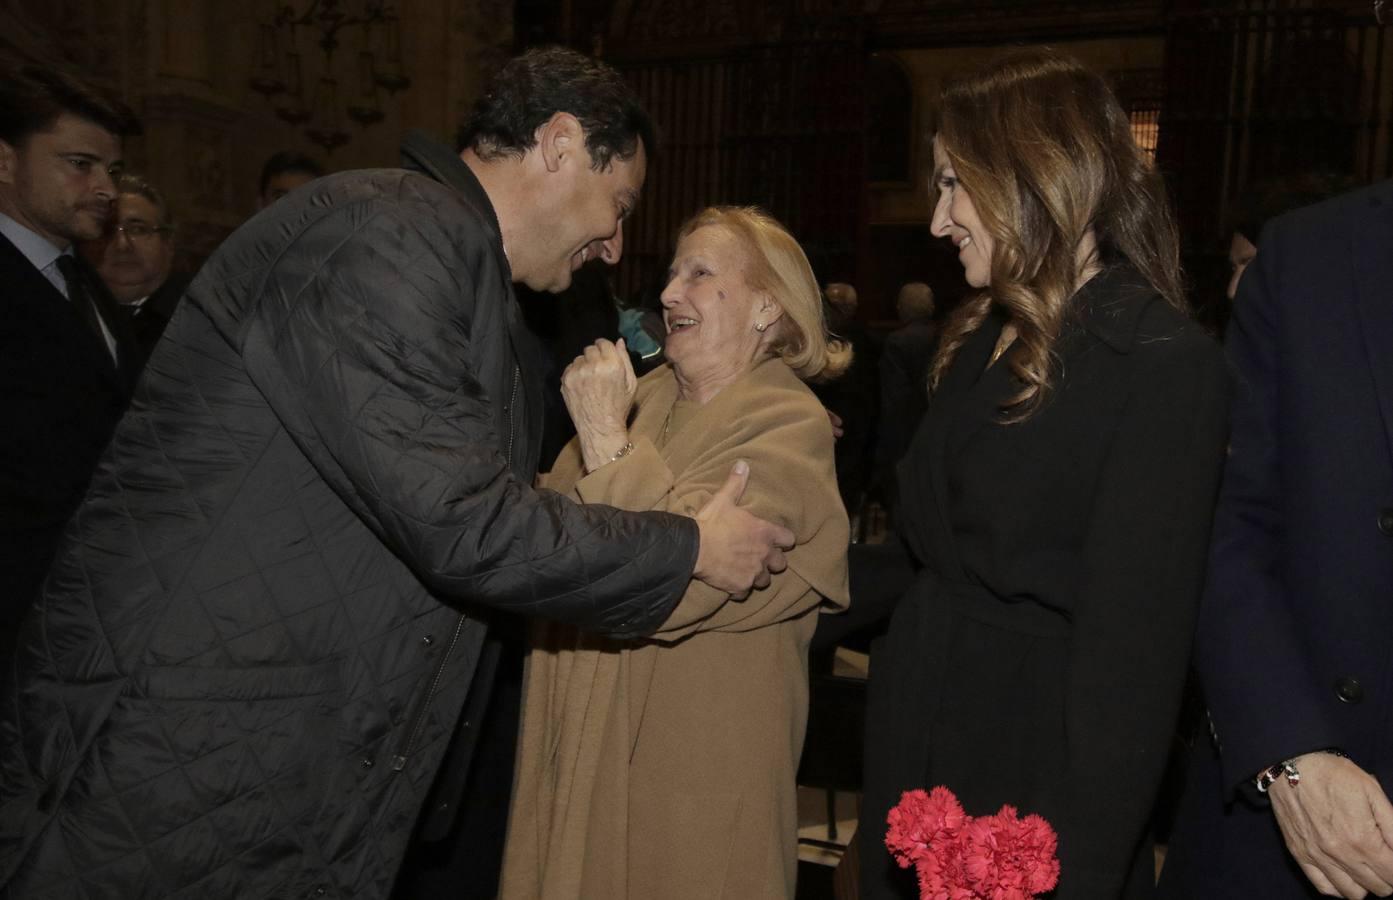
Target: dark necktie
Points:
(80, 295)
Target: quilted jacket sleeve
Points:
(361, 343)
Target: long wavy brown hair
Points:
(1046, 153)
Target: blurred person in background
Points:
(904, 382)
(135, 259)
(282, 173)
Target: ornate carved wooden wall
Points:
(184, 66)
(747, 121)
(1270, 92)
(777, 127)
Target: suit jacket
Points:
(1038, 659)
(853, 397)
(1293, 644)
(64, 395)
(904, 393)
(147, 321)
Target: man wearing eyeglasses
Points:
(135, 257)
(65, 364)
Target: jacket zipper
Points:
(512, 414)
(418, 723)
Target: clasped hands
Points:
(1338, 825)
(739, 551)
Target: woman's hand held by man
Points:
(598, 387)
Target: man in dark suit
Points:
(282, 173)
(1293, 647)
(852, 398)
(135, 259)
(904, 380)
(64, 361)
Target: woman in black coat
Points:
(1057, 495)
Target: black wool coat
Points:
(263, 620)
(1039, 656)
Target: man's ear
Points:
(9, 163)
(559, 139)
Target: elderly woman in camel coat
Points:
(665, 767)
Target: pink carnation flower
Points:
(921, 822)
(1006, 857)
(941, 875)
(958, 857)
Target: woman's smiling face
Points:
(709, 308)
(955, 218)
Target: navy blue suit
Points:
(1295, 641)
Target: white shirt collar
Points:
(36, 248)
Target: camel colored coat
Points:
(664, 768)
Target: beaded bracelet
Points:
(1287, 767)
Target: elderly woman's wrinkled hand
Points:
(598, 387)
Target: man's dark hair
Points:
(1268, 200)
(288, 161)
(131, 183)
(533, 87)
(33, 96)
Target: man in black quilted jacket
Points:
(263, 621)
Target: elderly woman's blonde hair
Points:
(776, 264)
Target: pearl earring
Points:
(760, 326)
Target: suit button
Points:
(1385, 521)
(1348, 689)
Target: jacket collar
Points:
(1111, 304)
(422, 153)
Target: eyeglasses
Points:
(137, 231)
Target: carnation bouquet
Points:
(962, 857)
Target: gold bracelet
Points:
(623, 452)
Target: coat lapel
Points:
(126, 366)
(1370, 240)
(1108, 309)
(961, 404)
